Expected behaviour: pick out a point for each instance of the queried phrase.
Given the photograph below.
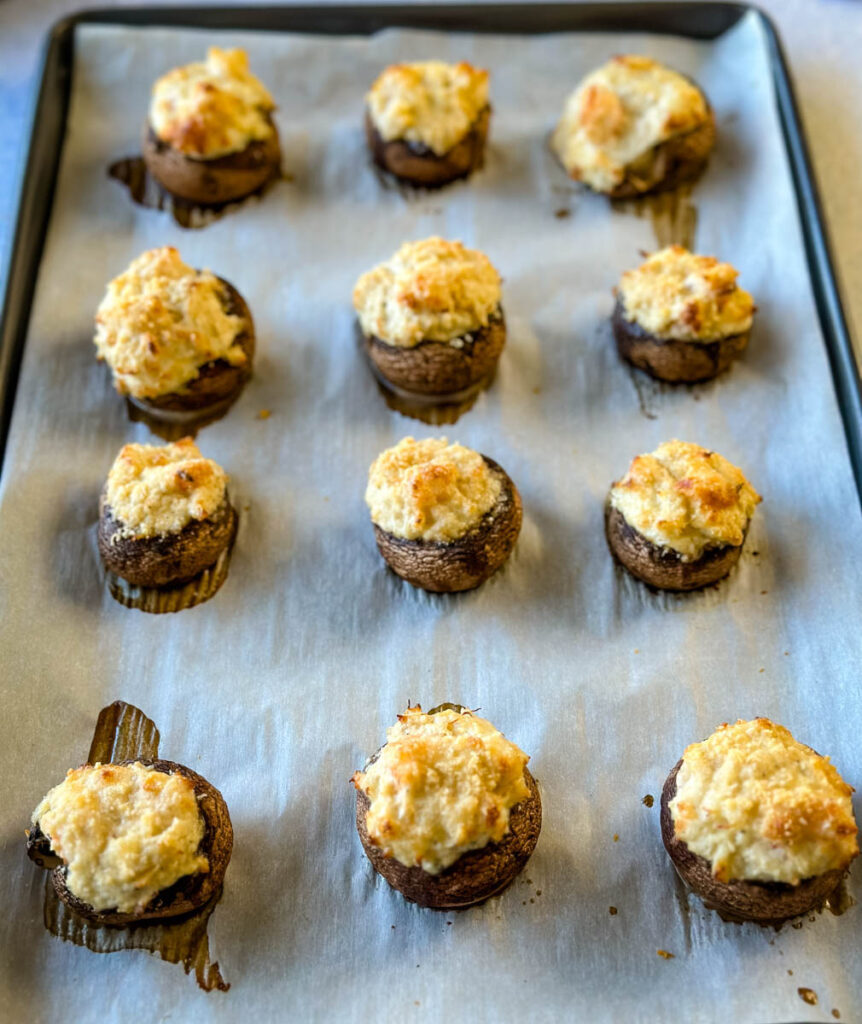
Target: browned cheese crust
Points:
(416, 164)
(214, 182)
(670, 359)
(663, 567)
(218, 383)
(185, 895)
(438, 368)
(170, 559)
(464, 563)
(475, 876)
(766, 903)
(666, 166)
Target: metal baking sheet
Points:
(278, 688)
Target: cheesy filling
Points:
(686, 498)
(619, 113)
(160, 321)
(154, 490)
(433, 290)
(211, 108)
(430, 102)
(442, 785)
(676, 294)
(760, 806)
(430, 490)
(124, 832)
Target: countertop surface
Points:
(822, 39)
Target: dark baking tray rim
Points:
(691, 19)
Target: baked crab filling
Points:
(211, 108)
(444, 784)
(760, 806)
(161, 321)
(685, 498)
(677, 295)
(617, 117)
(429, 103)
(123, 832)
(430, 490)
(153, 490)
(431, 290)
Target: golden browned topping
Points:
(124, 832)
(621, 111)
(206, 110)
(160, 321)
(431, 290)
(758, 805)
(430, 490)
(443, 784)
(685, 497)
(676, 294)
(429, 102)
(153, 490)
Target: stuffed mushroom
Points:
(431, 320)
(445, 517)
(426, 123)
(132, 841)
(447, 811)
(682, 317)
(634, 126)
(210, 137)
(679, 517)
(758, 825)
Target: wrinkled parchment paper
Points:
(278, 688)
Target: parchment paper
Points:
(279, 687)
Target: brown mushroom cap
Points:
(671, 359)
(663, 567)
(669, 164)
(439, 369)
(475, 876)
(214, 182)
(767, 903)
(166, 559)
(218, 383)
(464, 563)
(183, 896)
(416, 164)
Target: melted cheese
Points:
(676, 294)
(160, 321)
(758, 805)
(124, 832)
(431, 290)
(444, 784)
(618, 114)
(687, 498)
(430, 490)
(209, 109)
(153, 490)
(429, 102)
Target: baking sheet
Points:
(278, 688)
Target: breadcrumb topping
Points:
(430, 490)
(676, 294)
(618, 113)
(444, 784)
(160, 321)
(760, 806)
(124, 832)
(153, 490)
(211, 108)
(429, 102)
(432, 290)
(687, 498)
